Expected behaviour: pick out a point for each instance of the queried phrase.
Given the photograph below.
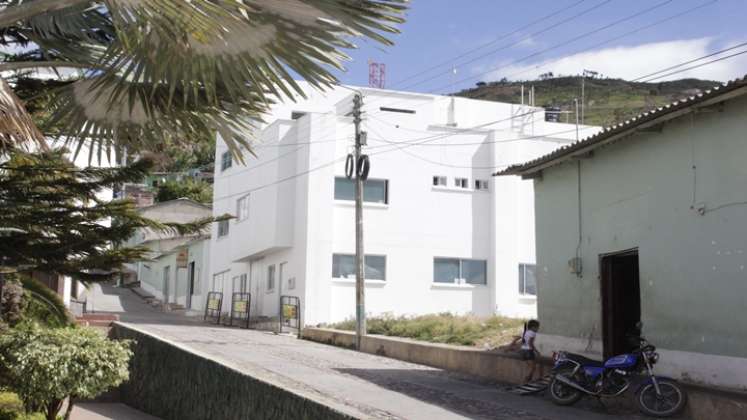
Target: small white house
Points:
(441, 234)
(177, 269)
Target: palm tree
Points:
(144, 73)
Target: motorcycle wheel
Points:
(671, 401)
(561, 393)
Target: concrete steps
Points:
(96, 320)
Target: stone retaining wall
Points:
(494, 366)
(704, 403)
(173, 382)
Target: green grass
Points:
(444, 328)
(607, 100)
(11, 408)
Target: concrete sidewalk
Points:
(369, 385)
(104, 411)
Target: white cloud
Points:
(526, 43)
(631, 62)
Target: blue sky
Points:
(439, 30)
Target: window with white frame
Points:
(242, 208)
(343, 267)
(527, 279)
(439, 181)
(271, 279)
(226, 161)
(222, 228)
(282, 272)
(218, 280)
(239, 284)
(481, 185)
(374, 190)
(460, 270)
(461, 182)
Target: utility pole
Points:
(360, 282)
(583, 98)
(591, 73)
(576, 102)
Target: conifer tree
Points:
(59, 225)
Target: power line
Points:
(632, 32)
(415, 142)
(690, 62)
(697, 66)
(565, 42)
(507, 46)
(555, 46)
(308, 171)
(493, 42)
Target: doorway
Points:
(190, 283)
(166, 280)
(621, 301)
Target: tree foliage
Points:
(61, 225)
(144, 73)
(196, 190)
(27, 299)
(46, 366)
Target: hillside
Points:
(607, 100)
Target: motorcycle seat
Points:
(584, 361)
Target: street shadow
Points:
(475, 398)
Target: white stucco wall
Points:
(294, 218)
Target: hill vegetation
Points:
(607, 100)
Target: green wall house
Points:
(647, 220)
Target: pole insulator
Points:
(364, 167)
(349, 166)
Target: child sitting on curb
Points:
(528, 351)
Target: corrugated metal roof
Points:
(621, 130)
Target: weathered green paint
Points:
(644, 192)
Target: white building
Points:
(177, 268)
(441, 234)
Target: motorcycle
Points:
(575, 376)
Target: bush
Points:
(27, 299)
(443, 328)
(11, 408)
(196, 190)
(46, 366)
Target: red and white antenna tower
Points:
(376, 75)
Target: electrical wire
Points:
(689, 62)
(493, 42)
(553, 47)
(697, 66)
(524, 39)
(618, 37)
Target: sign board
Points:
(240, 306)
(182, 258)
(213, 307)
(214, 304)
(290, 311)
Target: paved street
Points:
(372, 386)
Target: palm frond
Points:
(84, 114)
(172, 69)
(16, 126)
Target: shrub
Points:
(11, 408)
(443, 328)
(46, 366)
(28, 299)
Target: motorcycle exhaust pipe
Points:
(571, 384)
